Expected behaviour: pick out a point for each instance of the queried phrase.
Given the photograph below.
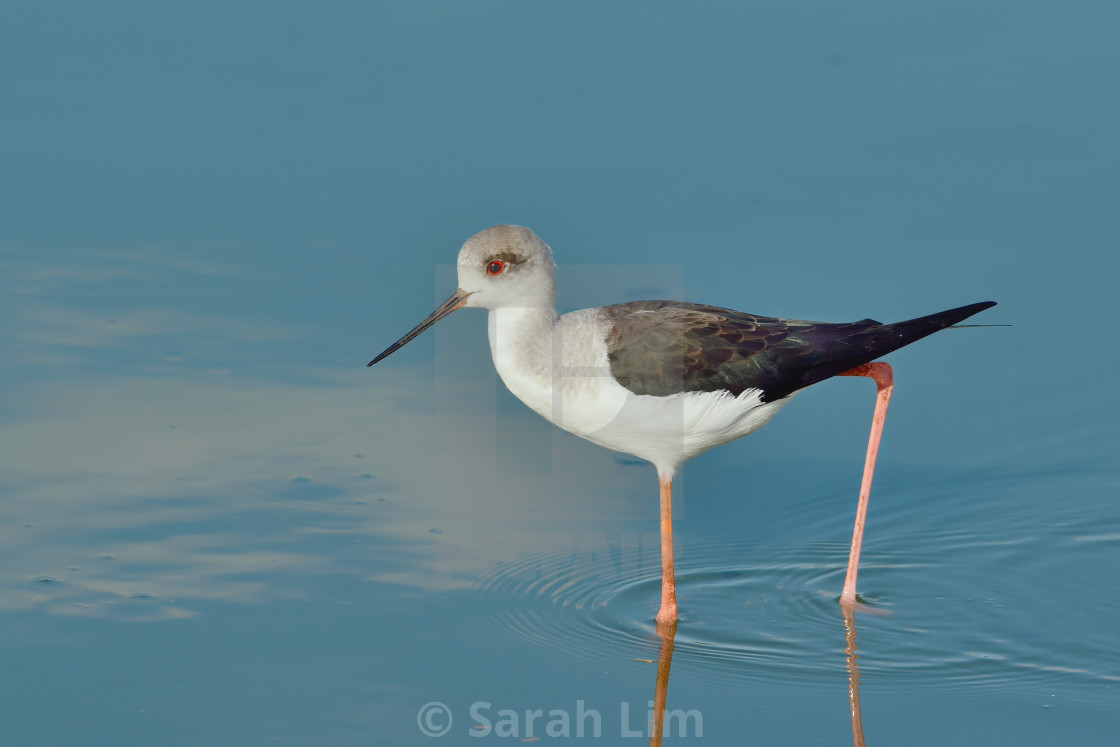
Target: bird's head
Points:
(501, 267)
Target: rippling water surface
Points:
(765, 611)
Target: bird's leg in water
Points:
(884, 378)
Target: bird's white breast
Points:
(561, 370)
(558, 367)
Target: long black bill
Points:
(457, 301)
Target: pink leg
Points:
(884, 378)
(668, 611)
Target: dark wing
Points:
(665, 347)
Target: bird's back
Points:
(664, 347)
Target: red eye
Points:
(495, 267)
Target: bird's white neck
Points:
(522, 337)
(521, 345)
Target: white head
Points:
(506, 266)
(501, 267)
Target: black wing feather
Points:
(665, 347)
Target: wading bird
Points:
(663, 380)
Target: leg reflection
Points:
(852, 657)
(667, 631)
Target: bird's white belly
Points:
(666, 431)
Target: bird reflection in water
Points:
(667, 632)
(852, 663)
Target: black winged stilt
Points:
(664, 380)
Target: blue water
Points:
(217, 527)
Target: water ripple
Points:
(756, 612)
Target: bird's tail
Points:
(916, 329)
(840, 348)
